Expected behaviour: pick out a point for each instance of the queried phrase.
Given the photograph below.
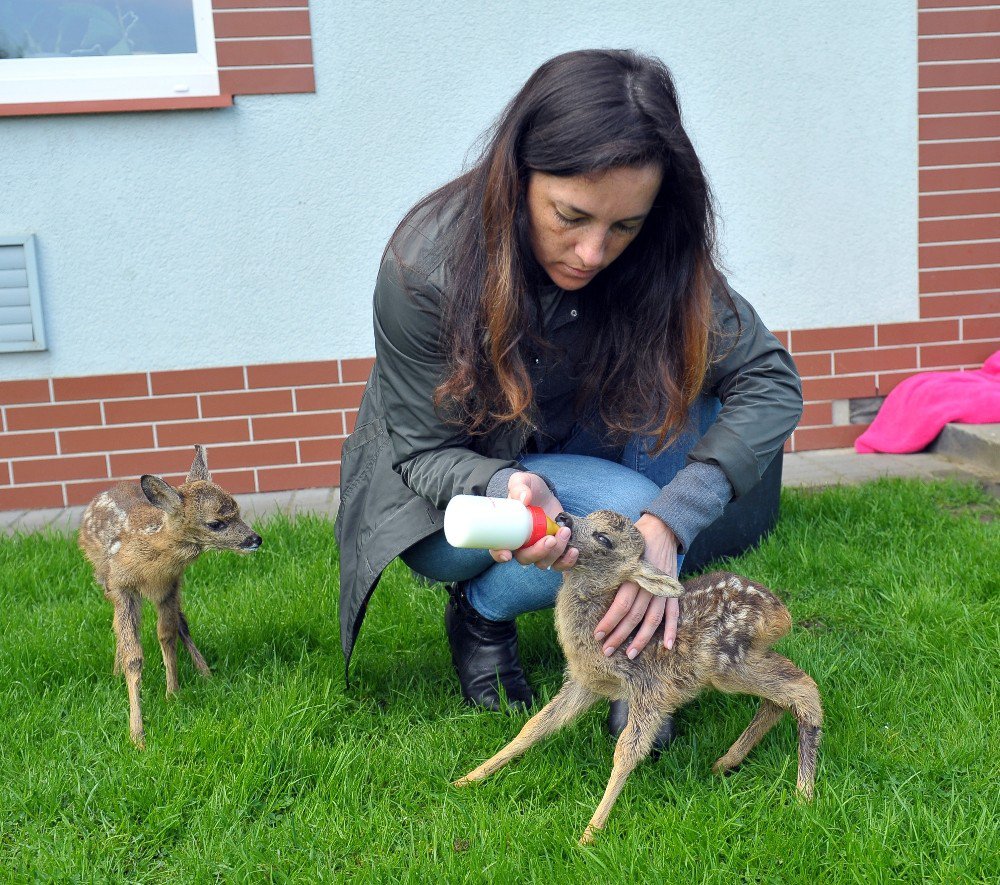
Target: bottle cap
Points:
(541, 526)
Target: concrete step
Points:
(977, 444)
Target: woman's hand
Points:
(550, 551)
(633, 606)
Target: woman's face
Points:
(579, 224)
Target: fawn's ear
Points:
(199, 467)
(650, 578)
(160, 494)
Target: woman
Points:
(551, 326)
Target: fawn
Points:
(139, 537)
(726, 629)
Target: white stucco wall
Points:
(251, 235)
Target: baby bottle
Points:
(472, 521)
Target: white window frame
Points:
(37, 80)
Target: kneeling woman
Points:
(551, 326)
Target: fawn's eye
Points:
(603, 540)
(216, 525)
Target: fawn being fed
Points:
(724, 637)
(139, 537)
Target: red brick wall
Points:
(959, 234)
(279, 427)
(266, 428)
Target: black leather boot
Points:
(618, 718)
(484, 653)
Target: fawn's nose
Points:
(252, 542)
(564, 519)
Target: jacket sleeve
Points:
(433, 457)
(761, 394)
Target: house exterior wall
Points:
(207, 275)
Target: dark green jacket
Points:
(403, 464)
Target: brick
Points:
(984, 73)
(847, 387)
(20, 392)
(266, 81)
(4, 474)
(886, 382)
(25, 445)
(960, 179)
(203, 432)
(310, 476)
(296, 426)
(159, 461)
(958, 101)
(246, 53)
(197, 380)
(962, 255)
(972, 21)
(959, 153)
(975, 328)
(811, 438)
(782, 336)
(262, 23)
(812, 364)
(153, 408)
(875, 360)
(50, 417)
(960, 305)
(236, 482)
(251, 455)
(789, 445)
(56, 469)
(31, 497)
(257, 402)
(814, 414)
(891, 334)
(264, 4)
(294, 374)
(100, 387)
(834, 338)
(107, 439)
(960, 126)
(350, 421)
(952, 229)
(983, 203)
(957, 48)
(311, 450)
(85, 492)
(314, 399)
(357, 369)
(971, 354)
(969, 280)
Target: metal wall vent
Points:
(20, 298)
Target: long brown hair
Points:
(581, 112)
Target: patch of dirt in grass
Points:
(813, 625)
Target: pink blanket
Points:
(917, 410)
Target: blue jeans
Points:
(585, 480)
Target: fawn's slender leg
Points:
(572, 700)
(768, 713)
(116, 670)
(634, 744)
(167, 619)
(128, 614)
(196, 658)
(777, 679)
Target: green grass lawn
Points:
(274, 771)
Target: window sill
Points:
(116, 106)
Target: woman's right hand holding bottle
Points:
(551, 551)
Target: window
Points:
(20, 302)
(80, 50)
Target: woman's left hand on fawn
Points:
(633, 607)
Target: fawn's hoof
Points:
(461, 782)
(722, 767)
(589, 835)
(805, 792)
(139, 740)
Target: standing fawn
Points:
(724, 636)
(139, 537)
